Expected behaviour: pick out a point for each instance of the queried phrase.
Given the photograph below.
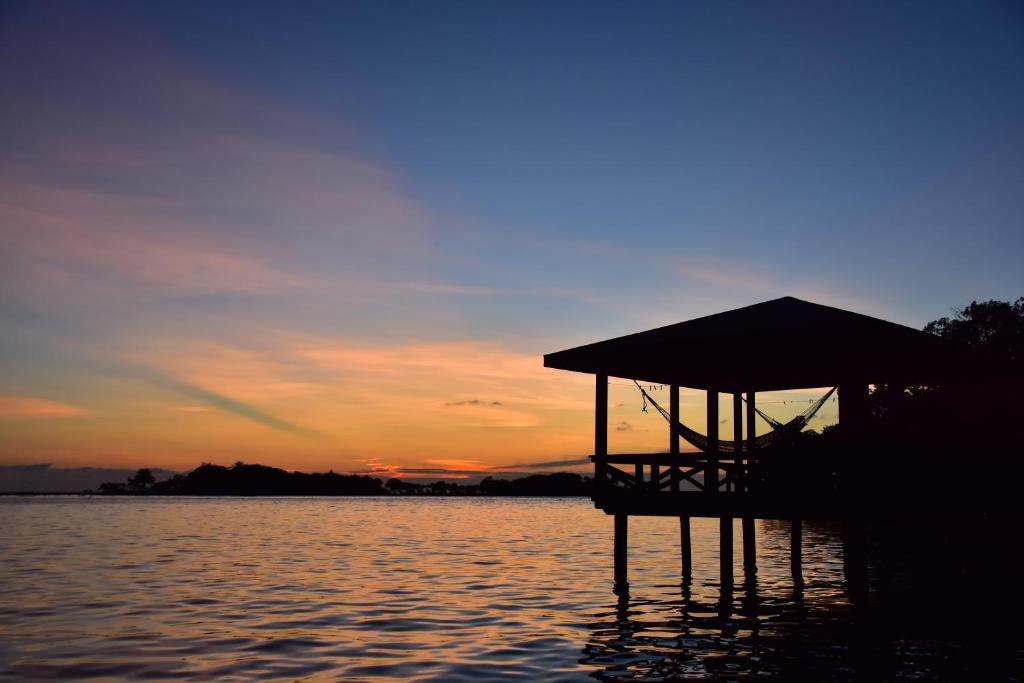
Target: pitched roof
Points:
(781, 344)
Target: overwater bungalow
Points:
(778, 345)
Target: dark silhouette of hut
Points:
(783, 344)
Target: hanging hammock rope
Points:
(780, 430)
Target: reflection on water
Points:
(429, 589)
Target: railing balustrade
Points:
(670, 473)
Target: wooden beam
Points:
(601, 416)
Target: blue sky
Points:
(247, 201)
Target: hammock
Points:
(780, 430)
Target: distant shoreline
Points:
(96, 494)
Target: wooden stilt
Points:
(749, 547)
(685, 550)
(853, 415)
(796, 551)
(673, 427)
(711, 473)
(601, 416)
(736, 480)
(749, 540)
(621, 545)
(725, 551)
(673, 434)
(751, 439)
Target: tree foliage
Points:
(994, 328)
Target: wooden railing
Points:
(671, 473)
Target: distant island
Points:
(244, 479)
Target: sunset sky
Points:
(343, 237)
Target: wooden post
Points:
(853, 406)
(601, 416)
(853, 409)
(673, 426)
(737, 437)
(749, 540)
(684, 547)
(749, 547)
(621, 544)
(673, 433)
(751, 439)
(796, 528)
(711, 472)
(725, 551)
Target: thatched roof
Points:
(780, 344)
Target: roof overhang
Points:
(781, 344)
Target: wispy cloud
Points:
(233, 406)
(548, 464)
(192, 409)
(31, 407)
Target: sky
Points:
(342, 235)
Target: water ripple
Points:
(421, 590)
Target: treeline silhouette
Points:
(244, 479)
(958, 436)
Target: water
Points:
(437, 589)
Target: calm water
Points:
(422, 590)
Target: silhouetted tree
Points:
(242, 479)
(141, 480)
(969, 414)
(995, 328)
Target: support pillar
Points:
(673, 426)
(673, 435)
(749, 547)
(621, 545)
(737, 438)
(711, 473)
(796, 528)
(751, 441)
(601, 416)
(853, 418)
(749, 540)
(853, 406)
(685, 550)
(725, 551)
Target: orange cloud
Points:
(30, 407)
(455, 464)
